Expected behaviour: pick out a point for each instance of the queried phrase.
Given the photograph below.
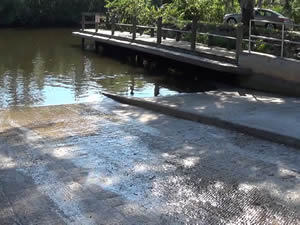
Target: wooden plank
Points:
(175, 30)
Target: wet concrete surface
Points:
(108, 163)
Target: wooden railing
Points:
(161, 32)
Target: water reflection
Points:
(47, 67)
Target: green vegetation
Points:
(205, 10)
(45, 12)
(67, 12)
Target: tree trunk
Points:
(247, 8)
(287, 6)
(259, 3)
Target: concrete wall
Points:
(271, 73)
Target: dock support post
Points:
(113, 25)
(194, 34)
(82, 43)
(96, 46)
(83, 22)
(239, 42)
(159, 26)
(134, 21)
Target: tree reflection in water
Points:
(48, 67)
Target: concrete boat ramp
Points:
(271, 117)
(111, 163)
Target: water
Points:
(47, 67)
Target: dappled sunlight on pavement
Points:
(109, 163)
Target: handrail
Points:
(217, 35)
(267, 21)
(92, 13)
(266, 38)
(124, 24)
(282, 40)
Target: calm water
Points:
(48, 67)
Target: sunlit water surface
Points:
(47, 67)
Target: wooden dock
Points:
(156, 42)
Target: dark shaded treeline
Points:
(37, 13)
(45, 12)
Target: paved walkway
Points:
(270, 117)
(108, 163)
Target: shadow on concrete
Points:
(143, 168)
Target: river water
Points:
(41, 67)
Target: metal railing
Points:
(281, 41)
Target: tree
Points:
(247, 8)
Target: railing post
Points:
(194, 34)
(159, 26)
(140, 31)
(83, 21)
(152, 32)
(282, 41)
(164, 34)
(134, 21)
(178, 36)
(113, 25)
(239, 42)
(97, 21)
(107, 20)
(250, 30)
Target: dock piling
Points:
(82, 43)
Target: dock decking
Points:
(157, 43)
(214, 58)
